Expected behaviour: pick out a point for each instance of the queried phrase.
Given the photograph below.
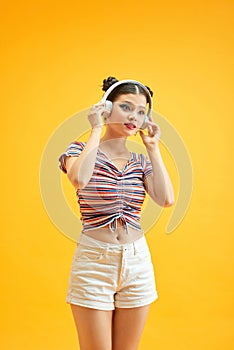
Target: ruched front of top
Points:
(111, 194)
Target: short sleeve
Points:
(146, 165)
(73, 150)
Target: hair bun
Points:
(150, 91)
(108, 82)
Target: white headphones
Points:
(112, 87)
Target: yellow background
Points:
(53, 60)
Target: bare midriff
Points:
(120, 235)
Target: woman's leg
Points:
(128, 325)
(94, 328)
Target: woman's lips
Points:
(130, 126)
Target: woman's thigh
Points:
(94, 328)
(128, 325)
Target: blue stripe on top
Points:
(110, 193)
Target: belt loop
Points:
(135, 248)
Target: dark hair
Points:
(123, 89)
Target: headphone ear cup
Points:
(108, 105)
(145, 122)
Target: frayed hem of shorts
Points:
(118, 305)
(128, 305)
(84, 304)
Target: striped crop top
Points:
(110, 193)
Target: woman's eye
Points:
(142, 112)
(125, 107)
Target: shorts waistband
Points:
(136, 245)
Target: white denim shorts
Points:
(105, 275)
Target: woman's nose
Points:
(132, 116)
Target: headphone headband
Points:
(120, 82)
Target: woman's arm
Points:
(158, 184)
(80, 169)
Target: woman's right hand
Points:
(95, 115)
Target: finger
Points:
(106, 113)
(150, 118)
(150, 130)
(151, 122)
(97, 109)
(154, 129)
(157, 132)
(141, 134)
(98, 106)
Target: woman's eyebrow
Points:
(144, 107)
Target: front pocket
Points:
(144, 254)
(86, 254)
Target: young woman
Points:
(112, 282)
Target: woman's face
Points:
(128, 114)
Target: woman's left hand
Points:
(154, 133)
